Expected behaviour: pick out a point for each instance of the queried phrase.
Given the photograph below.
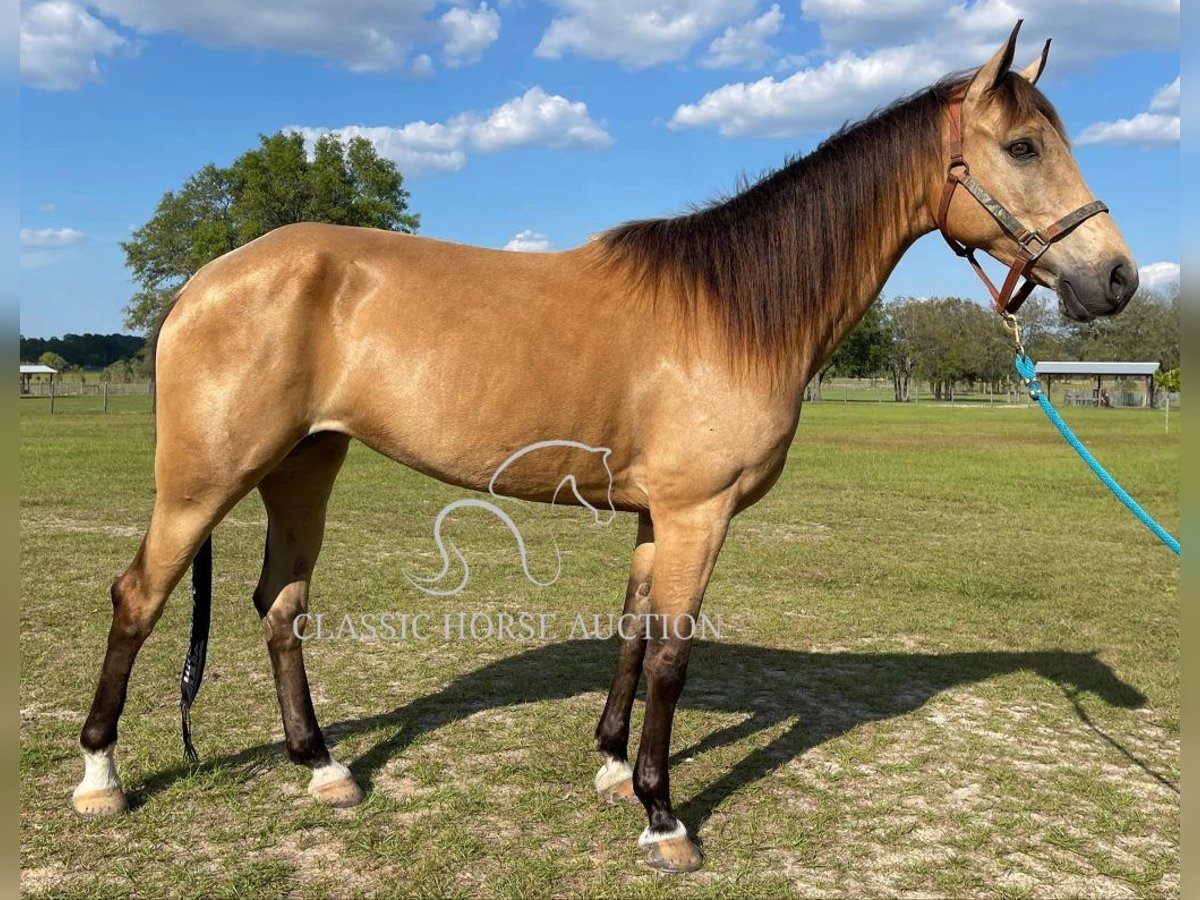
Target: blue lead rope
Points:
(1028, 374)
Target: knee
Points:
(134, 613)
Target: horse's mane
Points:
(782, 251)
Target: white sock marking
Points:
(614, 771)
(99, 772)
(653, 837)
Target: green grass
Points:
(949, 666)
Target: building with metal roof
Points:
(29, 373)
(1119, 369)
(1100, 396)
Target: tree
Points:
(902, 358)
(863, 352)
(1146, 331)
(1168, 380)
(219, 209)
(53, 360)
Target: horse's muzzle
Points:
(1086, 296)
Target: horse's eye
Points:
(1022, 149)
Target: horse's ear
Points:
(1033, 71)
(995, 68)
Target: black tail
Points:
(193, 665)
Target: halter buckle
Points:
(1026, 244)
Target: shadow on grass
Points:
(822, 695)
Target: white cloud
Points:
(1142, 130)
(538, 118)
(529, 241)
(364, 35)
(851, 23)
(61, 44)
(636, 33)
(468, 33)
(534, 119)
(1166, 98)
(1159, 276)
(1157, 128)
(906, 44)
(49, 238)
(745, 44)
(812, 98)
(422, 65)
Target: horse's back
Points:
(418, 347)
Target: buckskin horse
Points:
(682, 344)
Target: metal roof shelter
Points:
(1144, 370)
(1127, 369)
(28, 373)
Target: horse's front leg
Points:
(686, 546)
(614, 781)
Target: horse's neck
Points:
(888, 227)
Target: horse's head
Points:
(1016, 148)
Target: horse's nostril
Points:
(1122, 282)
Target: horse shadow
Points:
(822, 694)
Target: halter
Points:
(1031, 244)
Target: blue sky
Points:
(533, 124)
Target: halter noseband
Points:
(1030, 244)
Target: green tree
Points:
(219, 209)
(1146, 331)
(53, 360)
(1168, 380)
(863, 353)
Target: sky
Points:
(531, 124)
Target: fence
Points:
(62, 388)
(1108, 398)
(57, 390)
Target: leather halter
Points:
(1031, 244)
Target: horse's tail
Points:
(193, 664)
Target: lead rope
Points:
(1028, 372)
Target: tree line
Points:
(948, 343)
(83, 351)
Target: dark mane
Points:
(776, 259)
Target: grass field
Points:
(949, 666)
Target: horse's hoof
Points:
(107, 802)
(334, 786)
(614, 782)
(621, 792)
(340, 794)
(672, 853)
(674, 856)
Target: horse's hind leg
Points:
(614, 781)
(296, 494)
(178, 526)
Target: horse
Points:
(681, 345)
